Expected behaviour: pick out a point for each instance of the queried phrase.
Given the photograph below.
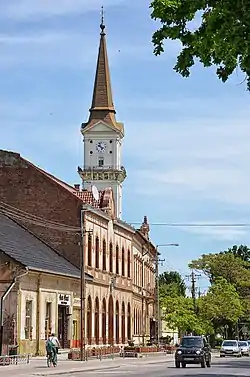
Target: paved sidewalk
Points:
(37, 366)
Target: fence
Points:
(14, 360)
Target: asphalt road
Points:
(226, 367)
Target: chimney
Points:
(145, 227)
(77, 187)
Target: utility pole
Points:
(157, 301)
(83, 286)
(193, 277)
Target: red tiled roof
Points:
(87, 197)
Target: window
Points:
(117, 260)
(123, 262)
(110, 257)
(75, 330)
(97, 252)
(129, 264)
(48, 320)
(28, 320)
(100, 162)
(89, 250)
(104, 256)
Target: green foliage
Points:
(242, 251)
(178, 312)
(171, 284)
(221, 305)
(221, 38)
(224, 265)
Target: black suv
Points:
(193, 350)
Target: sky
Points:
(186, 146)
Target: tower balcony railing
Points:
(103, 168)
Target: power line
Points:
(197, 225)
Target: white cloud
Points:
(222, 233)
(203, 157)
(22, 9)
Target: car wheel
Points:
(203, 363)
(177, 364)
(208, 363)
(183, 365)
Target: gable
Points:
(100, 127)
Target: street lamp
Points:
(157, 301)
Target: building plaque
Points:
(63, 299)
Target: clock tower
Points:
(102, 135)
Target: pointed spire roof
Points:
(102, 107)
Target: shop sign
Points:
(63, 299)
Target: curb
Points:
(56, 373)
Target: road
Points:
(228, 367)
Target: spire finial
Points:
(102, 25)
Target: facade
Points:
(121, 259)
(43, 287)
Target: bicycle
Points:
(50, 360)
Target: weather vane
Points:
(102, 26)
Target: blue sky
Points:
(186, 148)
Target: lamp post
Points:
(157, 301)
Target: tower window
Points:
(111, 141)
(100, 161)
(91, 141)
(110, 152)
(91, 152)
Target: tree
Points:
(178, 313)
(221, 38)
(242, 251)
(225, 265)
(222, 305)
(172, 284)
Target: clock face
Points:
(101, 146)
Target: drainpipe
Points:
(6, 293)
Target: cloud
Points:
(22, 9)
(200, 155)
(221, 233)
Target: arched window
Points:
(123, 323)
(89, 320)
(96, 320)
(97, 252)
(129, 264)
(117, 260)
(110, 257)
(117, 324)
(129, 322)
(104, 321)
(89, 250)
(123, 262)
(104, 255)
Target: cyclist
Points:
(52, 346)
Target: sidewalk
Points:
(37, 366)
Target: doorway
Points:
(63, 326)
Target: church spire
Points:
(102, 107)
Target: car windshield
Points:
(243, 344)
(229, 343)
(191, 342)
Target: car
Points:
(230, 348)
(245, 349)
(193, 350)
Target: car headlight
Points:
(236, 349)
(179, 352)
(198, 352)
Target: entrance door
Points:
(63, 326)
